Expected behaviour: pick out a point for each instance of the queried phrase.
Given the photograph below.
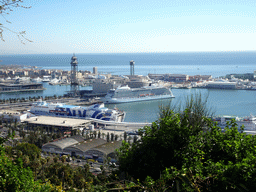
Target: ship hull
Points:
(127, 95)
(97, 111)
(129, 100)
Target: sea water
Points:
(198, 63)
(222, 102)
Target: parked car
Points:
(100, 160)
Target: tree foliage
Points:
(178, 153)
(13, 175)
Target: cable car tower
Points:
(74, 70)
(132, 67)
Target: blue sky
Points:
(65, 26)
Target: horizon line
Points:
(227, 51)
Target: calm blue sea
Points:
(212, 63)
(222, 102)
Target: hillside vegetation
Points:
(182, 151)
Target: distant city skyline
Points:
(131, 26)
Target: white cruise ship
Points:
(97, 111)
(126, 94)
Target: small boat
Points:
(46, 79)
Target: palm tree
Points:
(125, 136)
(47, 159)
(43, 162)
(15, 123)
(68, 158)
(129, 139)
(63, 159)
(2, 119)
(35, 165)
(108, 137)
(116, 137)
(55, 159)
(103, 135)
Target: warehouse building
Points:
(82, 147)
(59, 145)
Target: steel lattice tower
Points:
(74, 70)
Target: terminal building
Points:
(169, 77)
(7, 87)
(176, 77)
(63, 124)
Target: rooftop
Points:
(88, 144)
(62, 143)
(57, 121)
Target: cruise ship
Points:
(96, 111)
(126, 94)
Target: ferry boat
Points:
(126, 94)
(97, 111)
(46, 79)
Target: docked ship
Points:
(126, 94)
(221, 84)
(249, 123)
(96, 111)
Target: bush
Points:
(179, 152)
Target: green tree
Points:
(63, 159)
(112, 136)
(14, 177)
(125, 136)
(108, 137)
(193, 155)
(116, 137)
(31, 150)
(48, 159)
(55, 159)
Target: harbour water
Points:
(223, 102)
